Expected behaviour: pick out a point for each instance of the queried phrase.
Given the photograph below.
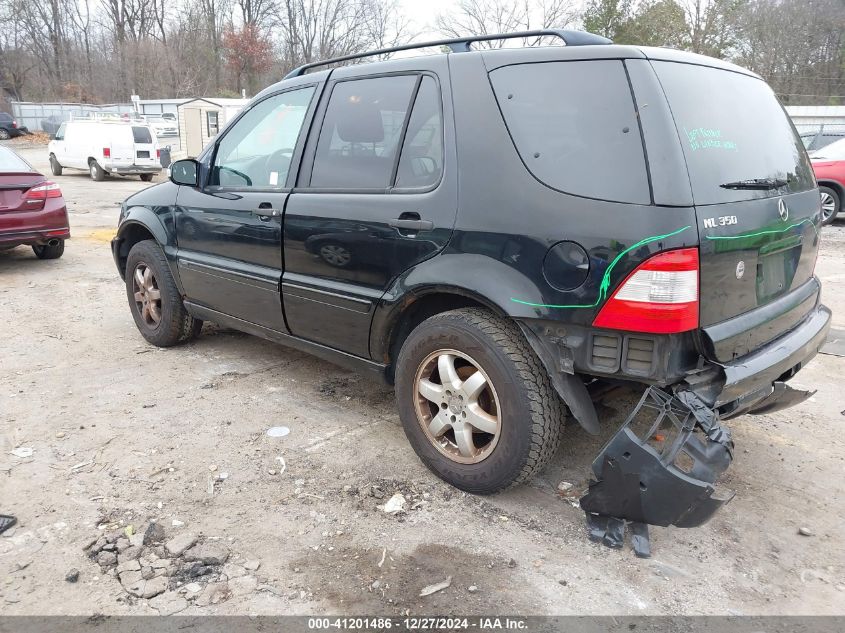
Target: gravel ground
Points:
(123, 434)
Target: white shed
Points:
(201, 119)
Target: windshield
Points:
(738, 142)
(834, 151)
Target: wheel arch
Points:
(141, 223)
(836, 186)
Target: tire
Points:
(147, 177)
(96, 171)
(830, 199)
(527, 411)
(173, 324)
(4, 134)
(46, 251)
(55, 168)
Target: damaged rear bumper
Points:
(660, 468)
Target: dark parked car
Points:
(9, 127)
(32, 209)
(821, 138)
(51, 124)
(502, 233)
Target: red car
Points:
(32, 209)
(829, 165)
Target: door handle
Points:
(407, 222)
(266, 214)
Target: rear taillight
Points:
(158, 153)
(659, 297)
(40, 193)
(106, 152)
(14, 123)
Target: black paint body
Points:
(491, 225)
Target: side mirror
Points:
(185, 172)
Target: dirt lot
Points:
(123, 434)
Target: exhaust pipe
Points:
(53, 242)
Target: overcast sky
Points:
(423, 12)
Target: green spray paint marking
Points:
(771, 232)
(605, 282)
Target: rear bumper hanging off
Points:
(664, 473)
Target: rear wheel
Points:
(55, 168)
(147, 177)
(476, 403)
(96, 171)
(830, 204)
(49, 251)
(154, 299)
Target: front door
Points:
(229, 232)
(371, 200)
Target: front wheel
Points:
(55, 167)
(154, 299)
(475, 402)
(830, 204)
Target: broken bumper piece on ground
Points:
(660, 469)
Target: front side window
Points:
(60, 133)
(257, 150)
(211, 123)
(361, 133)
(421, 161)
(575, 127)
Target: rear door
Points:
(145, 146)
(121, 143)
(373, 199)
(756, 202)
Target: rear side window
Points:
(575, 127)
(142, 134)
(361, 133)
(421, 161)
(732, 129)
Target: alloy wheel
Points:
(147, 295)
(457, 406)
(828, 206)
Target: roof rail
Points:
(462, 45)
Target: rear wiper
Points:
(756, 183)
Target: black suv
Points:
(502, 233)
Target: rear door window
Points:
(421, 161)
(732, 129)
(141, 134)
(360, 137)
(575, 127)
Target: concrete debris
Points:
(439, 586)
(22, 452)
(153, 534)
(805, 531)
(72, 576)
(177, 545)
(208, 554)
(395, 504)
(168, 603)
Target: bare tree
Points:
(488, 17)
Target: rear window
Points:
(11, 162)
(574, 125)
(142, 134)
(732, 129)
